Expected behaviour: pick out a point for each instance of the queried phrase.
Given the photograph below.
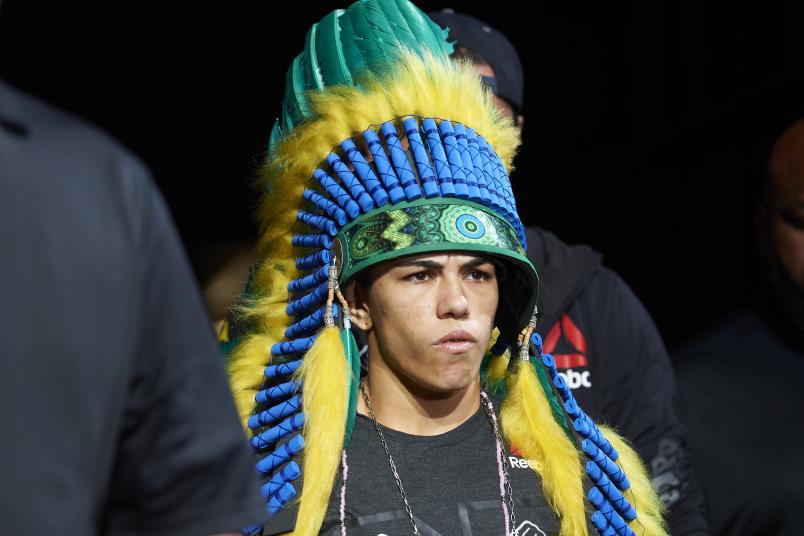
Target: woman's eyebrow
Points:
(477, 261)
(423, 263)
(427, 263)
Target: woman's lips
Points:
(456, 342)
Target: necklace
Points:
(506, 494)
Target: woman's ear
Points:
(358, 305)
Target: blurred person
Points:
(388, 207)
(116, 414)
(740, 384)
(603, 339)
(224, 270)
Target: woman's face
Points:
(429, 318)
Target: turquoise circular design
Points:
(470, 226)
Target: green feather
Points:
(294, 107)
(363, 40)
(352, 354)
(311, 69)
(333, 63)
(276, 136)
(352, 54)
(365, 37)
(424, 29)
(403, 30)
(549, 391)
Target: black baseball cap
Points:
(490, 43)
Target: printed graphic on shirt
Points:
(567, 344)
(525, 528)
(529, 529)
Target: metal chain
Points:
(508, 491)
(390, 459)
(487, 406)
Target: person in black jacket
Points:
(740, 383)
(601, 336)
(116, 413)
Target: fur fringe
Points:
(325, 375)
(246, 367)
(529, 426)
(642, 496)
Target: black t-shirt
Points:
(115, 410)
(452, 482)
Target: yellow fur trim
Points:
(325, 374)
(498, 368)
(265, 316)
(246, 367)
(641, 495)
(529, 426)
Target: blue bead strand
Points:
(420, 158)
(281, 455)
(284, 369)
(468, 166)
(477, 164)
(285, 494)
(491, 180)
(288, 473)
(323, 241)
(269, 437)
(384, 168)
(277, 392)
(337, 192)
(295, 346)
(602, 525)
(614, 519)
(305, 283)
(440, 162)
(309, 301)
(275, 413)
(612, 470)
(610, 491)
(454, 158)
(399, 158)
(317, 222)
(314, 260)
(311, 323)
(366, 173)
(330, 207)
(589, 430)
(348, 178)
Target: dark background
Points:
(647, 123)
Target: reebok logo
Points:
(575, 380)
(572, 339)
(516, 461)
(565, 330)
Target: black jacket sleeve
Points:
(183, 465)
(634, 391)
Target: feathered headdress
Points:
(387, 148)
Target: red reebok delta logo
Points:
(574, 336)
